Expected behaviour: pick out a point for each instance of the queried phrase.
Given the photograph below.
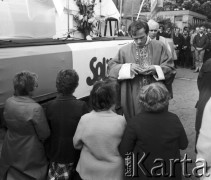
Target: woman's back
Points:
(159, 136)
(63, 115)
(101, 134)
(160, 133)
(27, 127)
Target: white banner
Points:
(90, 61)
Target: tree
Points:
(146, 6)
(206, 7)
(200, 6)
(196, 7)
(187, 4)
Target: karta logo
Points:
(98, 70)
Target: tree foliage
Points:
(199, 6)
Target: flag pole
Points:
(100, 35)
(68, 17)
(132, 9)
(142, 3)
(120, 12)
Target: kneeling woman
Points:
(155, 137)
(98, 136)
(23, 156)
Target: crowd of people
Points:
(192, 46)
(71, 140)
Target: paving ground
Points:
(183, 104)
(185, 97)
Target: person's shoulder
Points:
(207, 62)
(171, 114)
(127, 46)
(87, 118)
(10, 99)
(158, 43)
(173, 118)
(206, 67)
(120, 117)
(79, 102)
(208, 105)
(139, 118)
(154, 41)
(35, 108)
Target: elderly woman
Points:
(63, 115)
(23, 156)
(153, 135)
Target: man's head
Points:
(168, 30)
(153, 28)
(139, 30)
(208, 30)
(67, 81)
(185, 32)
(185, 28)
(123, 27)
(197, 29)
(161, 29)
(177, 30)
(201, 30)
(24, 83)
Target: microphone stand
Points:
(68, 21)
(100, 21)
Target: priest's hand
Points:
(135, 68)
(149, 71)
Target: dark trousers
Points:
(185, 58)
(207, 55)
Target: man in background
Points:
(178, 42)
(153, 34)
(200, 43)
(193, 34)
(185, 52)
(207, 54)
(123, 31)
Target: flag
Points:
(106, 8)
(156, 6)
(59, 7)
(18, 25)
(38, 7)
